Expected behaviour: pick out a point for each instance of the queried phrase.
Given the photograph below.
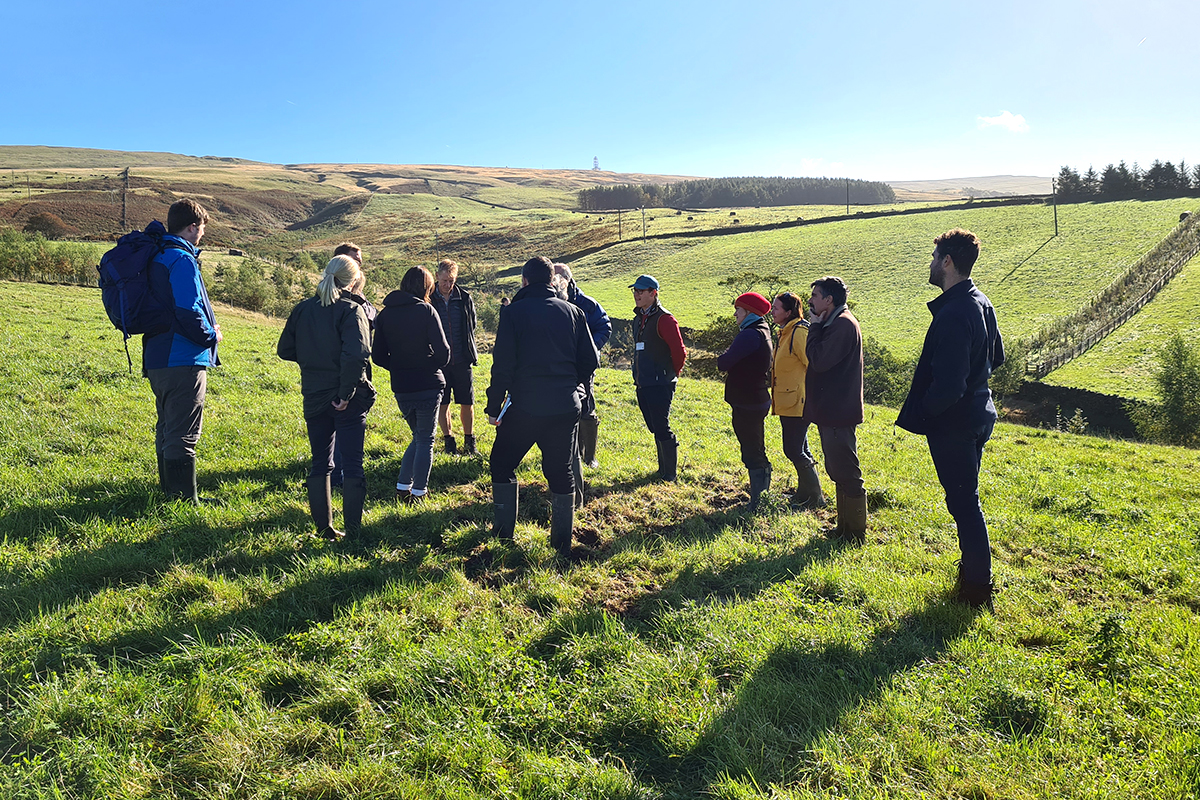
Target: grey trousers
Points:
(179, 399)
(840, 447)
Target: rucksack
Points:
(130, 301)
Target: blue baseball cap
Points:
(644, 282)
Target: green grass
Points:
(1124, 362)
(885, 262)
(151, 650)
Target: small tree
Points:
(1178, 380)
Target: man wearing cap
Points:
(747, 363)
(950, 402)
(658, 358)
(833, 388)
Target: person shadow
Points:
(794, 696)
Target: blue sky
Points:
(876, 90)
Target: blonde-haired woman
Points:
(329, 337)
(788, 372)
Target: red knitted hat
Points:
(753, 302)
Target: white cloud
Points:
(1014, 122)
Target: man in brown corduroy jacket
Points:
(834, 399)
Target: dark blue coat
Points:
(597, 320)
(542, 356)
(962, 348)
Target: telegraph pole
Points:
(643, 223)
(618, 224)
(847, 197)
(125, 203)
(1054, 200)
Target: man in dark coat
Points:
(457, 311)
(542, 359)
(950, 403)
(834, 399)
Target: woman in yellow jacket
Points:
(787, 397)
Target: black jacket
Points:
(459, 311)
(748, 362)
(410, 344)
(332, 345)
(962, 348)
(542, 356)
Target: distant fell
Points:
(962, 188)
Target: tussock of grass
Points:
(155, 650)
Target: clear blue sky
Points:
(877, 90)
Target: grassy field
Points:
(1124, 362)
(155, 651)
(1031, 276)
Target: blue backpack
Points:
(130, 301)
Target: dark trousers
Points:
(795, 442)
(179, 399)
(748, 427)
(555, 437)
(956, 457)
(840, 447)
(589, 400)
(350, 427)
(655, 403)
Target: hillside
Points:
(150, 650)
(977, 187)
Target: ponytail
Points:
(339, 273)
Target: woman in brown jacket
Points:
(787, 397)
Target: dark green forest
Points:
(1122, 182)
(730, 192)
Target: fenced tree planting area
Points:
(152, 650)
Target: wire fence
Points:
(1074, 335)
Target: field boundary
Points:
(1070, 337)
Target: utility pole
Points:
(847, 197)
(125, 203)
(618, 224)
(27, 191)
(1054, 200)
(643, 223)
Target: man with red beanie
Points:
(747, 386)
(658, 357)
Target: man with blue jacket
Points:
(950, 402)
(176, 359)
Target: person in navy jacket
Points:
(747, 364)
(950, 403)
(176, 360)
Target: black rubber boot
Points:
(760, 481)
(975, 595)
(852, 519)
(469, 445)
(504, 510)
(808, 489)
(180, 475)
(668, 458)
(162, 473)
(589, 433)
(450, 445)
(354, 496)
(562, 523)
(320, 506)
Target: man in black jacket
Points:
(457, 312)
(541, 361)
(950, 402)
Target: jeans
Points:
(748, 427)
(795, 442)
(956, 457)
(350, 428)
(179, 400)
(420, 410)
(555, 437)
(655, 403)
(840, 446)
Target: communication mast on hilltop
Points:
(596, 162)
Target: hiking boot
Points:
(504, 510)
(320, 506)
(411, 499)
(760, 481)
(974, 594)
(589, 432)
(451, 447)
(808, 493)
(562, 523)
(402, 495)
(469, 445)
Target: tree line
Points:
(1122, 182)
(727, 192)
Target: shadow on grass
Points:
(794, 697)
